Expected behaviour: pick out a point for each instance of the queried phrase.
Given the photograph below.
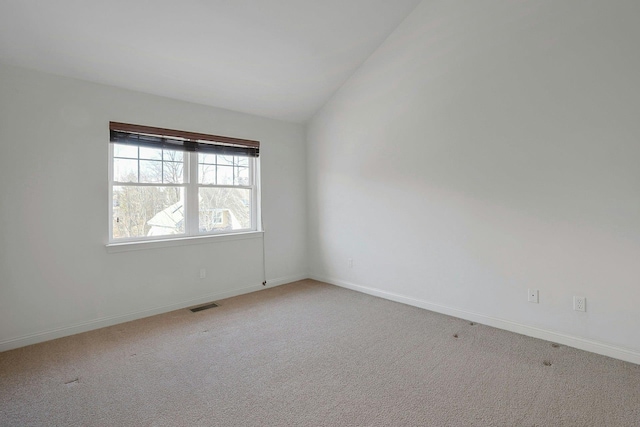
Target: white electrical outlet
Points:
(350, 262)
(532, 296)
(579, 303)
(203, 273)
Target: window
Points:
(166, 183)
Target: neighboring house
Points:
(168, 221)
(171, 220)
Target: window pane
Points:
(147, 211)
(207, 158)
(224, 209)
(207, 174)
(172, 155)
(242, 176)
(225, 175)
(225, 160)
(123, 150)
(242, 161)
(173, 172)
(150, 171)
(151, 153)
(125, 170)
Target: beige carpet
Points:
(311, 354)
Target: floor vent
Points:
(204, 307)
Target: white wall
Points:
(56, 277)
(487, 148)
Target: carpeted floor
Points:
(312, 354)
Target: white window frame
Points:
(191, 207)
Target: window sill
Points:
(181, 241)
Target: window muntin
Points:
(154, 193)
(147, 165)
(223, 170)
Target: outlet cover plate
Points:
(533, 296)
(579, 303)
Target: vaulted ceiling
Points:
(274, 58)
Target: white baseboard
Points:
(284, 280)
(616, 352)
(90, 325)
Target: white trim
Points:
(181, 241)
(254, 177)
(272, 283)
(191, 214)
(242, 187)
(90, 325)
(110, 184)
(147, 184)
(616, 352)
